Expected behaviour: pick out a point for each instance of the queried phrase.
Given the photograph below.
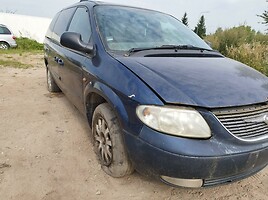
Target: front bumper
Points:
(154, 154)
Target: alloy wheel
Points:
(3, 45)
(103, 141)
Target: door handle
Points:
(60, 61)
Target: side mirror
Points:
(74, 41)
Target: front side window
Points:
(123, 28)
(81, 24)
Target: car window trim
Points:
(89, 17)
(68, 24)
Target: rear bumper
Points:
(13, 44)
(150, 160)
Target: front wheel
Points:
(108, 142)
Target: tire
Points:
(4, 45)
(109, 144)
(51, 84)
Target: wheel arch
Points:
(4, 41)
(98, 93)
(46, 62)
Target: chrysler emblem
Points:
(260, 119)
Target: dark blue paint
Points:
(204, 82)
(197, 81)
(153, 161)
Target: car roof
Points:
(2, 25)
(95, 2)
(91, 4)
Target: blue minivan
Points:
(158, 99)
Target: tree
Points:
(200, 28)
(265, 18)
(8, 11)
(184, 19)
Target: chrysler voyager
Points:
(158, 99)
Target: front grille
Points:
(246, 123)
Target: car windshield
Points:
(124, 28)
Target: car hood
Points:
(204, 82)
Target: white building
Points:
(26, 26)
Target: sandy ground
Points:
(46, 153)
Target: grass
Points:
(19, 51)
(25, 47)
(14, 64)
(29, 44)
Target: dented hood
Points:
(205, 82)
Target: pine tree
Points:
(265, 18)
(184, 19)
(200, 28)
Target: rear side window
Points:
(62, 23)
(81, 24)
(4, 30)
(51, 26)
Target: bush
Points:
(243, 44)
(254, 55)
(28, 44)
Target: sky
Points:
(218, 13)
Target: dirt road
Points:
(46, 153)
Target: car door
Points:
(49, 50)
(71, 68)
(53, 49)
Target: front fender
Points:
(122, 89)
(124, 106)
(108, 94)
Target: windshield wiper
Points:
(175, 47)
(133, 50)
(187, 47)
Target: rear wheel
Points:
(108, 142)
(51, 84)
(4, 45)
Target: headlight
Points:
(180, 121)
